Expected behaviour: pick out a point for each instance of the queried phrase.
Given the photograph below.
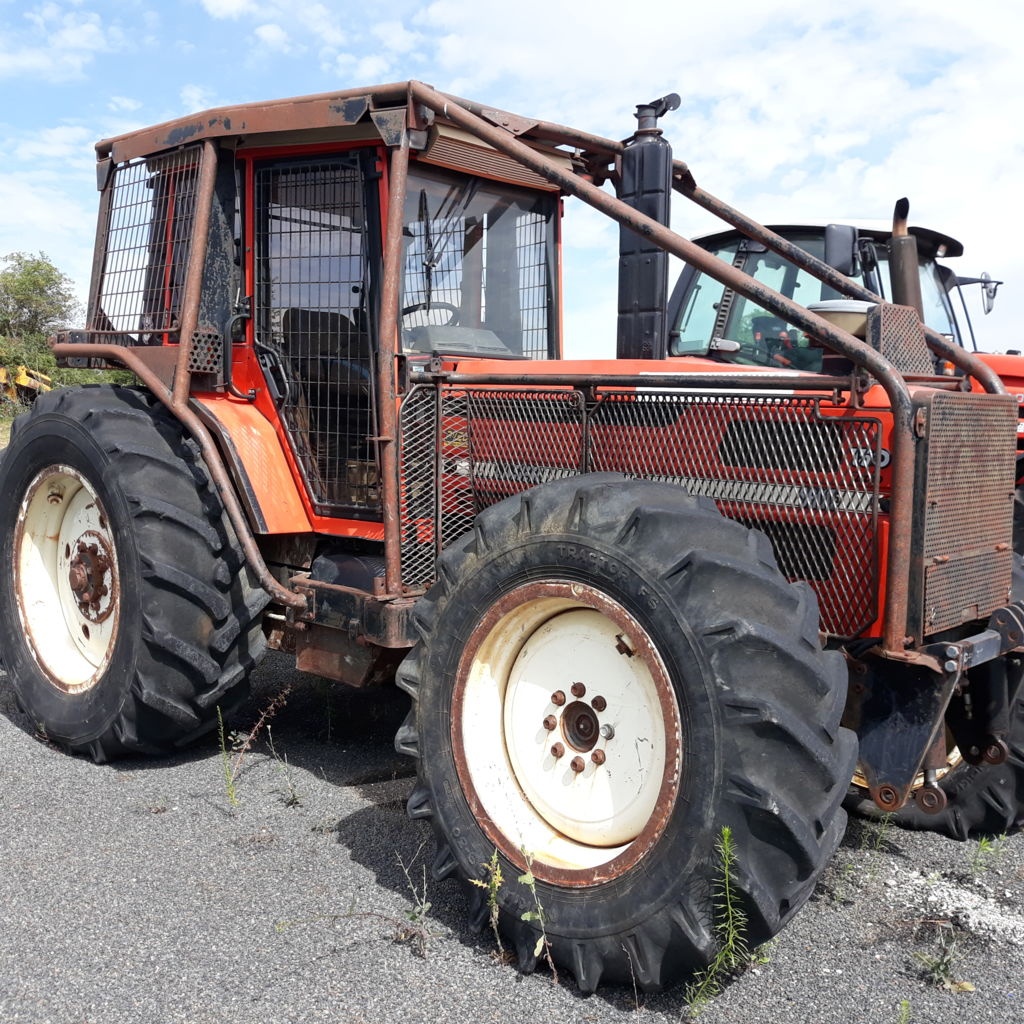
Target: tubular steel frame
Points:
(348, 108)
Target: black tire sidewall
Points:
(71, 718)
(647, 886)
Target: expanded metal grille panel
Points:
(148, 244)
(312, 319)
(807, 481)
(777, 464)
(470, 451)
(970, 437)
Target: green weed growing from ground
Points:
(939, 969)
(242, 743)
(986, 854)
(536, 915)
(730, 932)
(492, 885)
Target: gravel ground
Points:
(138, 893)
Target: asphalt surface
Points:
(138, 893)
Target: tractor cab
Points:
(706, 316)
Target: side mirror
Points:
(841, 248)
(988, 291)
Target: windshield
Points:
(479, 267)
(714, 313)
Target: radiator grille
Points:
(970, 437)
(463, 449)
(148, 245)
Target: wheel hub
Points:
(580, 726)
(66, 578)
(90, 576)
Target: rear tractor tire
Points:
(130, 614)
(610, 673)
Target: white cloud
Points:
(66, 143)
(194, 98)
(395, 37)
(229, 8)
(274, 38)
(120, 103)
(58, 46)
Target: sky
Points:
(792, 110)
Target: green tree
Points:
(35, 298)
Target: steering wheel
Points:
(430, 307)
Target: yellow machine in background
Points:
(22, 384)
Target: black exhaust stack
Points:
(646, 185)
(904, 276)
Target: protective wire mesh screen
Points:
(967, 558)
(477, 272)
(313, 324)
(152, 206)
(806, 479)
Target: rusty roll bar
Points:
(398, 171)
(861, 354)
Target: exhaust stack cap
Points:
(647, 114)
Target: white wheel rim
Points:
(66, 578)
(562, 664)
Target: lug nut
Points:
(599, 703)
(558, 698)
(557, 750)
(607, 732)
(598, 757)
(577, 764)
(550, 722)
(578, 689)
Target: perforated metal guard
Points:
(967, 557)
(896, 332)
(207, 353)
(806, 479)
(148, 245)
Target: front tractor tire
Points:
(129, 613)
(610, 674)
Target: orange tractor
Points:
(635, 602)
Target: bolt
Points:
(578, 689)
(558, 698)
(577, 764)
(951, 651)
(557, 750)
(599, 703)
(949, 666)
(598, 757)
(550, 722)
(607, 732)
(78, 578)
